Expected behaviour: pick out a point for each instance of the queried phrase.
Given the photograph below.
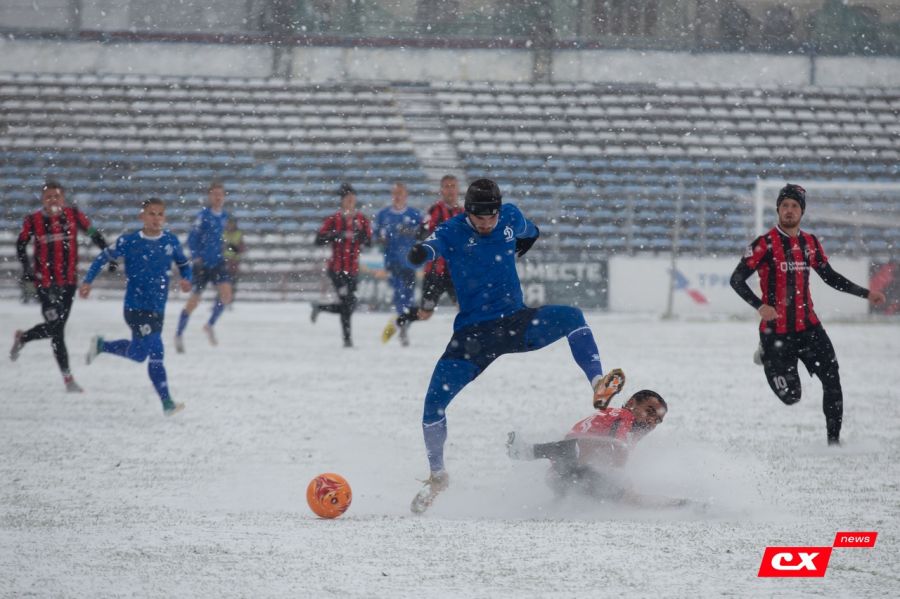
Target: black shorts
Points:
(780, 354)
(203, 276)
(143, 322)
(56, 302)
(344, 285)
(433, 287)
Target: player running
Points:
(346, 231)
(397, 229)
(207, 245)
(53, 270)
(148, 254)
(789, 329)
(437, 280)
(481, 247)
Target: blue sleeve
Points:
(110, 253)
(196, 234)
(437, 242)
(522, 226)
(181, 261)
(379, 225)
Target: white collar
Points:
(147, 237)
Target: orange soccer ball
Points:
(329, 495)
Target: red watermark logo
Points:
(855, 539)
(809, 562)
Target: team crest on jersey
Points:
(169, 249)
(508, 234)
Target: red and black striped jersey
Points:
(346, 235)
(783, 264)
(55, 237)
(437, 214)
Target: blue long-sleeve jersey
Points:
(398, 230)
(483, 267)
(148, 262)
(206, 239)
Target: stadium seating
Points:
(603, 168)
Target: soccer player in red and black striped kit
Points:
(53, 271)
(790, 330)
(437, 280)
(347, 230)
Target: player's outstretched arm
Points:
(838, 281)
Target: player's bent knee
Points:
(789, 396)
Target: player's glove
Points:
(113, 266)
(417, 255)
(608, 387)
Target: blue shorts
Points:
(484, 342)
(203, 276)
(143, 322)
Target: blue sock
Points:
(584, 350)
(155, 368)
(435, 437)
(182, 323)
(157, 373)
(119, 347)
(448, 379)
(218, 308)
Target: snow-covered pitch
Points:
(100, 495)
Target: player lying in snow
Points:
(585, 461)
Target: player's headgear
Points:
(792, 191)
(345, 189)
(483, 198)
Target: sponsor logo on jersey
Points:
(792, 266)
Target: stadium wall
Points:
(638, 284)
(331, 63)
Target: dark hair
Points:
(345, 189)
(216, 184)
(646, 394)
(792, 191)
(401, 184)
(152, 201)
(483, 198)
(448, 178)
(53, 184)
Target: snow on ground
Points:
(101, 496)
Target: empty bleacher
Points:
(615, 166)
(281, 149)
(603, 169)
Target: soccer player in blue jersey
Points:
(396, 229)
(148, 255)
(207, 244)
(481, 246)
